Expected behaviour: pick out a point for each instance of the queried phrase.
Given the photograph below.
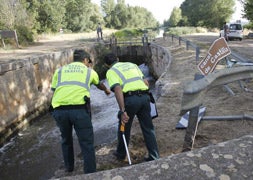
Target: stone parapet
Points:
(161, 59)
(25, 89)
(231, 160)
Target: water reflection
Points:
(34, 153)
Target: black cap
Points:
(80, 54)
(110, 58)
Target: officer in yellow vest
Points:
(71, 85)
(131, 91)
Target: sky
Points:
(161, 9)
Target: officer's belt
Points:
(68, 107)
(132, 93)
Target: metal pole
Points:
(232, 117)
(128, 155)
(191, 129)
(122, 129)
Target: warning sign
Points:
(217, 51)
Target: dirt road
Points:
(50, 43)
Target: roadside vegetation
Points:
(187, 30)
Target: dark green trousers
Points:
(81, 121)
(139, 105)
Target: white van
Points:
(235, 31)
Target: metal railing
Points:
(141, 41)
(239, 58)
(188, 44)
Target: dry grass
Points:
(72, 36)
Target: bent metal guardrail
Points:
(194, 93)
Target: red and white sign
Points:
(217, 51)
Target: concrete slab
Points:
(231, 160)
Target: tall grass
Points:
(185, 30)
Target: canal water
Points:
(35, 153)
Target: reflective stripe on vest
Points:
(125, 81)
(84, 85)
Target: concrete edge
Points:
(227, 160)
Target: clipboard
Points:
(153, 109)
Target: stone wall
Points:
(25, 89)
(160, 60)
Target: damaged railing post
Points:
(191, 129)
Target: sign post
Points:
(217, 51)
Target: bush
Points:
(25, 35)
(248, 26)
(185, 30)
(128, 33)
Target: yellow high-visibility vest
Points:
(71, 83)
(127, 75)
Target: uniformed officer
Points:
(99, 32)
(131, 91)
(71, 85)
(226, 30)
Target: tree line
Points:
(207, 13)
(32, 17)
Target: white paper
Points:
(153, 111)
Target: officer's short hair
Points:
(80, 54)
(110, 58)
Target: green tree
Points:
(120, 15)
(140, 17)
(41, 16)
(220, 11)
(51, 15)
(12, 13)
(248, 9)
(96, 16)
(175, 17)
(13, 16)
(79, 14)
(207, 13)
(108, 7)
(32, 8)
